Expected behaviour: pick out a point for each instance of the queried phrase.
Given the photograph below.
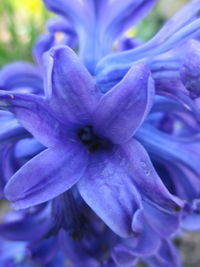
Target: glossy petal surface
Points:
(109, 190)
(70, 89)
(122, 110)
(47, 175)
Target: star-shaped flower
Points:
(89, 140)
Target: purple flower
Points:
(89, 143)
(99, 23)
(183, 26)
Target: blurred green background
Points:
(21, 21)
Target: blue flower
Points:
(183, 26)
(99, 23)
(89, 143)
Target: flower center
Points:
(89, 139)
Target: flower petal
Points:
(21, 75)
(183, 26)
(109, 191)
(163, 222)
(27, 228)
(145, 242)
(69, 87)
(166, 256)
(47, 175)
(124, 256)
(43, 44)
(146, 179)
(75, 11)
(60, 24)
(32, 112)
(119, 16)
(190, 70)
(122, 110)
(170, 148)
(8, 165)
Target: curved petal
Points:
(83, 15)
(43, 44)
(75, 11)
(145, 243)
(109, 191)
(60, 24)
(167, 256)
(69, 88)
(183, 26)
(99, 23)
(163, 222)
(121, 15)
(122, 110)
(182, 182)
(21, 75)
(33, 113)
(146, 179)
(147, 240)
(47, 175)
(171, 148)
(124, 256)
(10, 130)
(27, 228)
(63, 31)
(27, 148)
(190, 70)
(8, 165)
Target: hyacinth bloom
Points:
(98, 23)
(183, 26)
(89, 143)
(101, 179)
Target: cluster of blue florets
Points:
(100, 147)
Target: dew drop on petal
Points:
(145, 168)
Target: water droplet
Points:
(145, 168)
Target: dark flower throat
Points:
(89, 139)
